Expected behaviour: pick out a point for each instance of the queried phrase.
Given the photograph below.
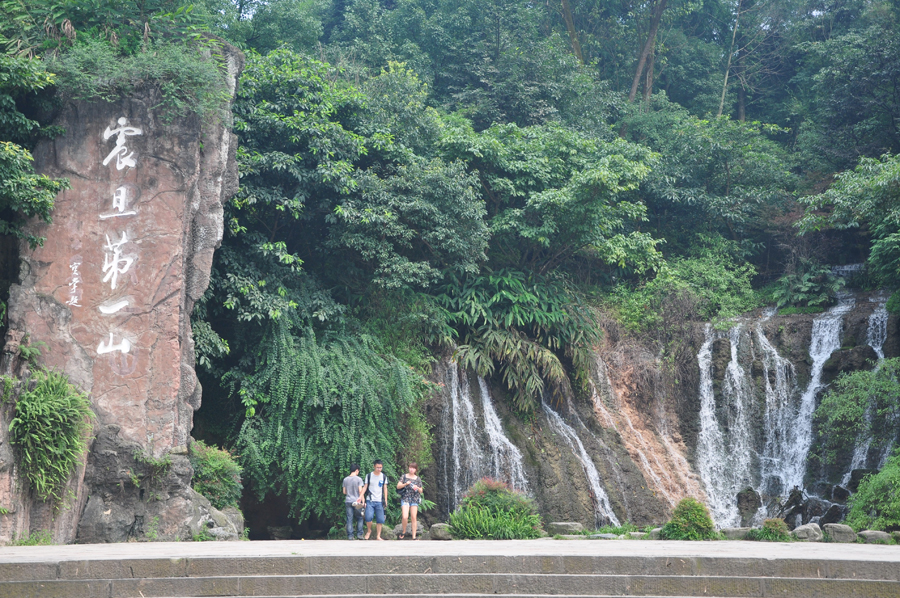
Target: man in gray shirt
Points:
(354, 502)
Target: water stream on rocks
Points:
(876, 334)
(603, 513)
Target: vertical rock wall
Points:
(110, 294)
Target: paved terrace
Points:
(513, 548)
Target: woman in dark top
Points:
(410, 487)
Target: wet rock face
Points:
(127, 255)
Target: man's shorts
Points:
(375, 510)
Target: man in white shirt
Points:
(375, 490)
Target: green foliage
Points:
(23, 194)
(519, 325)
(809, 309)
(316, 406)
(690, 521)
(810, 284)
(50, 431)
(893, 303)
(189, 79)
(38, 538)
(876, 504)
(715, 280)
(491, 510)
(842, 418)
(772, 530)
(866, 196)
(217, 475)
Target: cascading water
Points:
(472, 451)
(603, 512)
(781, 412)
(876, 334)
(505, 457)
(826, 339)
(731, 456)
(725, 453)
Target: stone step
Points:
(453, 584)
(669, 566)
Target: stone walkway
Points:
(544, 547)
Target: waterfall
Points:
(826, 339)
(725, 454)
(876, 334)
(603, 512)
(782, 412)
(506, 458)
(471, 451)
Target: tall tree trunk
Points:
(573, 34)
(648, 47)
(648, 82)
(737, 20)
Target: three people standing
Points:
(370, 495)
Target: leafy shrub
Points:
(690, 521)
(893, 303)
(842, 418)
(518, 324)
(188, 81)
(809, 284)
(38, 538)
(217, 475)
(809, 309)
(714, 278)
(876, 505)
(773, 530)
(50, 430)
(490, 509)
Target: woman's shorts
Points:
(404, 503)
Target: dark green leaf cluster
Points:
(690, 521)
(860, 408)
(50, 431)
(876, 504)
(491, 510)
(217, 474)
(519, 325)
(810, 284)
(314, 407)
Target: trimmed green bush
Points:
(217, 475)
(492, 510)
(50, 430)
(876, 505)
(690, 521)
(773, 530)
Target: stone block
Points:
(655, 533)
(564, 527)
(811, 532)
(735, 533)
(440, 531)
(896, 537)
(875, 537)
(840, 533)
(604, 536)
(636, 535)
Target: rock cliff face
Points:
(110, 295)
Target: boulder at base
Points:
(440, 531)
(875, 537)
(564, 527)
(811, 532)
(840, 533)
(735, 533)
